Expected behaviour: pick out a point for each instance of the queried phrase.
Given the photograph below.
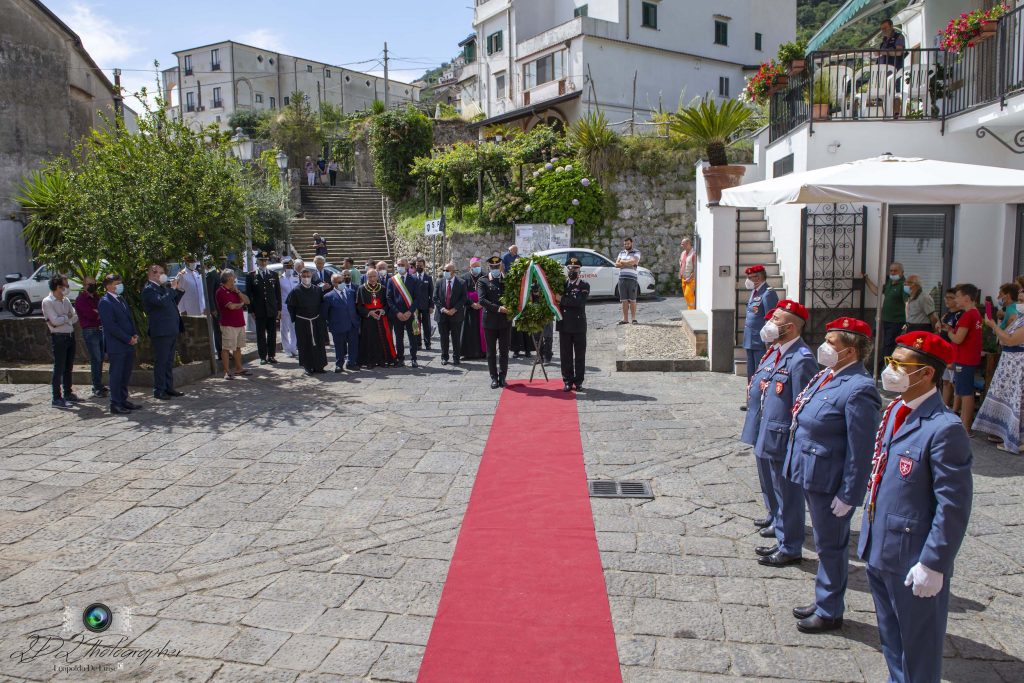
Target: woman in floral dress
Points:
(1002, 413)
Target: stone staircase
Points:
(350, 218)
(754, 246)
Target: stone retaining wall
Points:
(656, 211)
(27, 340)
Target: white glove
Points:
(839, 508)
(927, 582)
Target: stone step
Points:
(750, 214)
(756, 247)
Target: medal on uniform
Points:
(763, 385)
(779, 386)
(906, 465)
(753, 309)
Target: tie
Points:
(901, 415)
(448, 296)
(828, 378)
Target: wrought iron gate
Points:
(833, 256)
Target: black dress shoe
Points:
(766, 550)
(307, 373)
(763, 522)
(495, 384)
(263, 361)
(272, 360)
(163, 396)
(415, 364)
(132, 406)
(743, 408)
(501, 381)
(579, 386)
(444, 361)
(175, 393)
(767, 532)
(805, 611)
(337, 369)
(515, 355)
(779, 559)
(118, 410)
(567, 387)
(818, 624)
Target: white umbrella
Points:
(884, 180)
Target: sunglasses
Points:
(900, 365)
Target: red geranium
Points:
(961, 32)
(762, 81)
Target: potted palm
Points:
(714, 127)
(821, 98)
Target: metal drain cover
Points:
(619, 489)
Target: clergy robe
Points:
(376, 346)
(310, 327)
(473, 345)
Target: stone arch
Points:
(243, 93)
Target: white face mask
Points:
(897, 381)
(307, 281)
(162, 279)
(748, 283)
(401, 270)
(827, 355)
(770, 332)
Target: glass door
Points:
(921, 238)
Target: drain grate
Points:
(619, 489)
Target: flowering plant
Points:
(759, 85)
(962, 32)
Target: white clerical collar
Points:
(782, 348)
(916, 403)
(113, 294)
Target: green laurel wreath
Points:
(537, 314)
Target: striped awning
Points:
(853, 10)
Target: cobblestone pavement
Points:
(291, 529)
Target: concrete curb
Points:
(81, 377)
(663, 365)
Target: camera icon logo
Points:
(97, 617)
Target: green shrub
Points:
(397, 137)
(551, 193)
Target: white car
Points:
(600, 272)
(22, 296)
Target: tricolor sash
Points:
(402, 290)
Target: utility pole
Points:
(387, 95)
(118, 99)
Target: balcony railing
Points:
(876, 85)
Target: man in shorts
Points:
(629, 288)
(966, 338)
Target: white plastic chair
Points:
(877, 102)
(916, 93)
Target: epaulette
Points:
(806, 351)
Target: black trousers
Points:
(889, 333)
(63, 346)
(426, 331)
(449, 327)
(401, 328)
(497, 351)
(266, 336)
(572, 351)
(163, 363)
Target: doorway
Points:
(921, 238)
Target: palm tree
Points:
(594, 142)
(712, 126)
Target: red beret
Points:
(754, 269)
(928, 344)
(789, 306)
(849, 325)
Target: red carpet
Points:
(525, 598)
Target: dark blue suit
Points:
(118, 330)
(830, 456)
(772, 391)
(425, 298)
(921, 513)
(339, 310)
(161, 306)
(396, 304)
(762, 299)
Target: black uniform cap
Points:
(573, 261)
(494, 261)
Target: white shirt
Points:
(193, 302)
(782, 348)
(916, 403)
(288, 283)
(60, 314)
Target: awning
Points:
(524, 112)
(853, 10)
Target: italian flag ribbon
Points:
(533, 271)
(402, 291)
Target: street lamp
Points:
(282, 166)
(241, 145)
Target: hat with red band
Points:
(849, 325)
(754, 269)
(928, 344)
(789, 306)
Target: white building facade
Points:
(556, 60)
(931, 104)
(212, 82)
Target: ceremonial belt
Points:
(312, 329)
